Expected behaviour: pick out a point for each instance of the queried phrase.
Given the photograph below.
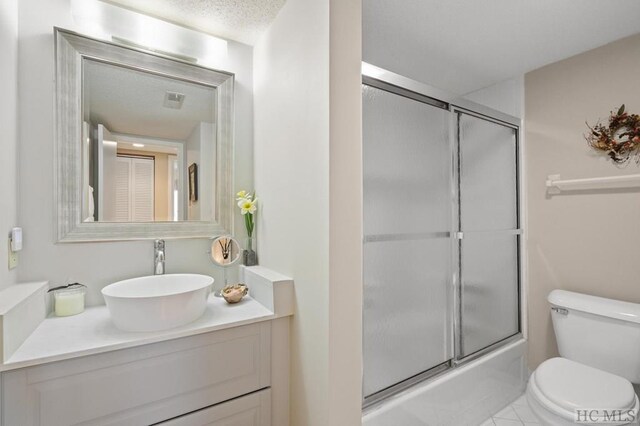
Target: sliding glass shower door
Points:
(488, 205)
(407, 244)
(441, 236)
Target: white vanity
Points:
(229, 367)
(144, 150)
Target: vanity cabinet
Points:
(178, 382)
(248, 410)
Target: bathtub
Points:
(467, 395)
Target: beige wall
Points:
(590, 241)
(345, 214)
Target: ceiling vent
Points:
(173, 100)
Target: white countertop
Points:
(92, 332)
(17, 294)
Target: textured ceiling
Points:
(465, 45)
(127, 101)
(240, 20)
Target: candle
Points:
(68, 302)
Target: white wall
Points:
(308, 155)
(193, 146)
(206, 170)
(291, 145)
(506, 96)
(8, 124)
(96, 264)
(200, 150)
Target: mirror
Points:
(149, 146)
(225, 251)
(144, 144)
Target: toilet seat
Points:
(560, 386)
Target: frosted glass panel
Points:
(408, 257)
(489, 252)
(407, 268)
(487, 175)
(489, 289)
(407, 165)
(405, 310)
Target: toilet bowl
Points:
(562, 392)
(591, 382)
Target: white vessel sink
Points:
(157, 302)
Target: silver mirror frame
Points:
(71, 49)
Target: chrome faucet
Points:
(158, 246)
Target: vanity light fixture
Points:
(105, 21)
(128, 42)
(138, 145)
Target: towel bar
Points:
(555, 184)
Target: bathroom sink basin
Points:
(157, 302)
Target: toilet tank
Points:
(599, 332)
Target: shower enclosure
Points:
(441, 234)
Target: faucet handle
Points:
(158, 244)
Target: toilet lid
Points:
(572, 386)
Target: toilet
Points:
(599, 344)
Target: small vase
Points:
(249, 256)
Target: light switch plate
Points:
(13, 257)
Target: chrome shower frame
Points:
(456, 105)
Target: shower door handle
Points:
(518, 231)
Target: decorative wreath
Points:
(620, 139)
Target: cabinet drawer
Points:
(142, 385)
(248, 410)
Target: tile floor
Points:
(516, 414)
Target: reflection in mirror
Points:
(225, 251)
(144, 136)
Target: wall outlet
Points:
(13, 257)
